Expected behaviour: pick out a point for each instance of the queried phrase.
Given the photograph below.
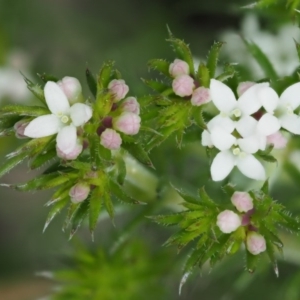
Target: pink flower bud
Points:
(72, 89)
(130, 104)
(118, 88)
(179, 67)
(70, 155)
(200, 96)
(277, 139)
(228, 221)
(128, 123)
(110, 139)
(79, 192)
(256, 243)
(242, 201)
(20, 128)
(183, 85)
(243, 87)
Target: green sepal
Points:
(22, 110)
(55, 209)
(12, 162)
(91, 81)
(229, 72)
(229, 189)
(35, 89)
(138, 152)
(47, 77)
(155, 85)
(203, 75)
(96, 200)
(160, 65)
(117, 191)
(78, 216)
(105, 75)
(212, 59)
(61, 193)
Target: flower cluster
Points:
(228, 221)
(247, 125)
(184, 85)
(124, 116)
(66, 118)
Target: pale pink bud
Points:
(200, 96)
(183, 85)
(110, 139)
(179, 67)
(20, 128)
(228, 221)
(72, 89)
(243, 87)
(128, 123)
(79, 192)
(130, 104)
(277, 139)
(242, 201)
(70, 155)
(256, 243)
(119, 89)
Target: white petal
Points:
(221, 139)
(251, 167)
(291, 96)
(250, 144)
(43, 126)
(268, 124)
(262, 142)
(205, 139)
(222, 165)
(268, 98)
(80, 114)
(249, 102)
(66, 139)
(56, 100)
(223, 122)
(290, 122)
(246, 126)
(222, 96)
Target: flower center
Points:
(64, 119)
(237, 112)
(236, 151)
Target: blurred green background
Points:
(63, 37)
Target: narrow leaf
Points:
(160, 65)
(212, 59)
(95, 207)
(91, 81)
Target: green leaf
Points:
(268, 158)
(265, 187)
(22, 110)
(205, 198)
(155, 85)
(35, 89)
(47, 77)
(105, 75)
(271, 254)
(91, 81)
(11, 163)
(183, 51)
(167, 220)
(121, 167)
(79, 216)
(55, 209)
(117, 191)
(70, 214)
(229, 189)
(251, 262)
(203, 75)
(9, 121)
(160, 65)
(96, 199)
(137, 151)
(229, 72)
(104, 103)
(212, 59)
(198, 117)
(95, 151)
(43, 158)
(108, 205)
(186, 196)
(262, 60)
(297, 48)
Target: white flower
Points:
(235, 152)
(63, 120)
(237, 114)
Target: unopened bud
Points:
(79, 192)
(179, 67)
(277, 139)
(242, 201)
(200, 96)
(110, 139)
(128, 123)
(20, 128)
(118, 88)
(228, 221)
(71, 88)
(183, 85)
(256, 243)
(243, 87)
(130, 104)
(70, 155)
